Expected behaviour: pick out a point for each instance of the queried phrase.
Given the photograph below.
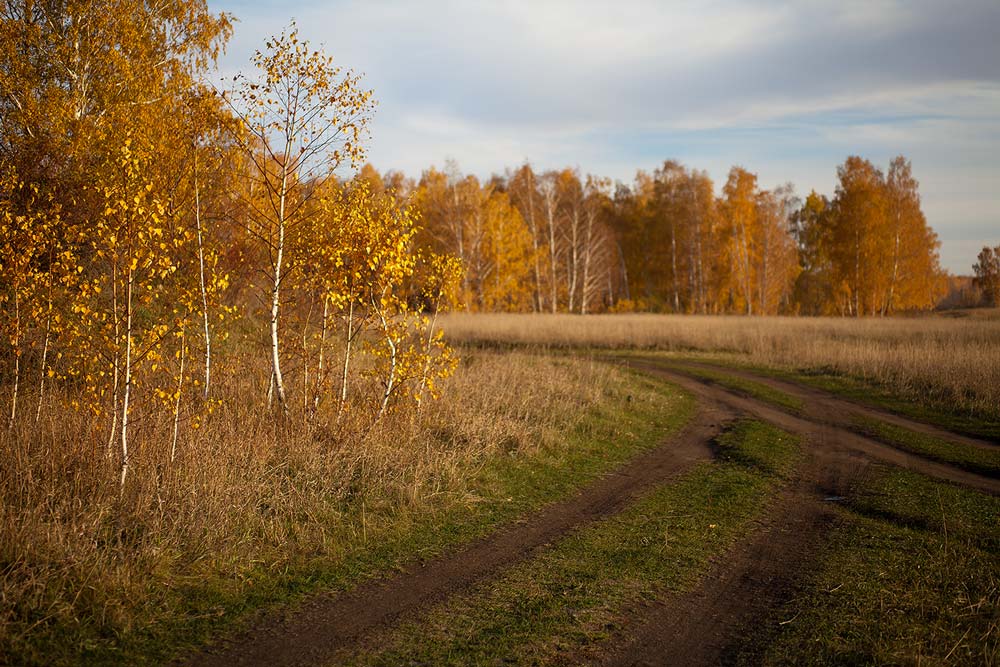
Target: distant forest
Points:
(562, 242)
(83, 124)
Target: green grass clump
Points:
(975, 459)
(911, 577)
(567, 601)
(757, 390)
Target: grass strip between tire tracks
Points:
(565, 603)
(912, 576)
(974, 459)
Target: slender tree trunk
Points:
(573, 261)
(204, 290)
(127, 394)
(587, 255)
(857, 273)
(533, 225)
(427, 352)
(305, 361)
(536, 268)
(177, 401)
(887, 308)
(700, 271)
(744, 250)
(624, 267)
(320, 366)
(611, 285)
(115, 364)
(347, 356)
(390, 382)
(279, 383)
(45, 358)
(458, 226)
(763, 273)
(673, 265)
(550, 214)
(17, 361)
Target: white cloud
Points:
(787, 89)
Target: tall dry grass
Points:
(85, 565)
(955, 361)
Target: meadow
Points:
(953, 361)
(257, 511)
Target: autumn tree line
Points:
(559, 241)
(146, 215)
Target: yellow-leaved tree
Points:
(378, 263)
(33, 266)
(300, 118)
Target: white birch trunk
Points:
(115, 366)
(427, 352)
(204, 290)
(390, 382)
(347, 357)
(177, 401)
(45, 359)
(17, 361)
(279, 384)
(127, 393)
(320, 365)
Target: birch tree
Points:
(987, 274)
(301, 117)
(523, 189)
(740, 213)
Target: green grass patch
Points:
(740, 385)
(563, 604)
(911, 577)
(975, 459)
(927, 409)
(373, 538)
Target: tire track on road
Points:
(754, 579)
(317, 629)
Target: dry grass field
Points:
(257, 510)
(954, 361)
(250, 498)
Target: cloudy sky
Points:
(787, 90)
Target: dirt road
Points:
(326, 624)
(697, 628)
(700, 628)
